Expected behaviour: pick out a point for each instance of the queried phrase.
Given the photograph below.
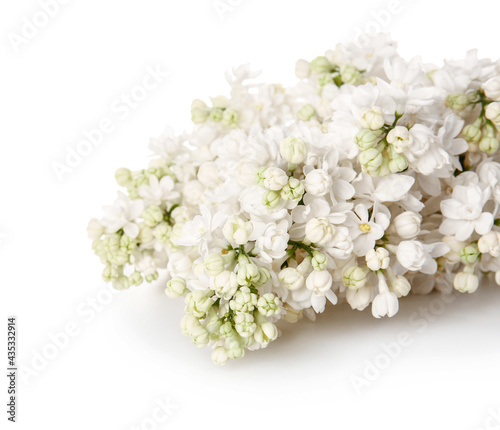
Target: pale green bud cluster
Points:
(306, 112)
(131, 180)
(232, 314)
(458, 101)
(330, 73)
(381, 149)
(355, 277)
(469, 254)
(219, 112)
(293, 190)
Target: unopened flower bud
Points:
(319, 231)
(457, 101)
(293, 150)
(244, 323)
(214, 264)
(271, 199)
(400, 138)
(320, 65)
(291, 278)
(377, 259)
(407, 224)
(123, 176)
(176, 287)
(469, 254)
(265, 333)
(237, 231)
(490, 244)
(306, 112)
(274, 178)
(492, 88)
(350, 74)
(318, 182)
(367, 138)
(268, 305)
(466, 282)
(293, 190)
(230, 117)
(372, 118)
(492, 112)
(219, 356)
(489, 144)
(152, 215)
(400, 286)
(319, 261)
(355, 277)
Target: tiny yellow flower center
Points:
(365, 228)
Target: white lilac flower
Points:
(123, 215)
(371, 178)
(407, 224)
(273, 242)
(158, 191)
(385, 302)
(417, 256)
(365, 229)
(464, 212)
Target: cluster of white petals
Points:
(371, 178)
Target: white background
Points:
(127, 354)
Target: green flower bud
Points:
(244, 323)
(367, 138)
(151, 278)
(398, 163)
(271, 199)
(120, 283)
(244, 300)
(176, 287)
(123, 176)
(213, 323)
(268, 305)
(199, 302)
(199, 115)
(293, 190)
(472, 132)
(371, 158)
(214, 264)
(264, 276)
(489, 144)
(350, 75)
(325, 79)
(188, 324)
(306, 112)
(109, 272)
(162, 232)
(248, 274)
(231, 117)
(226, 329)
(320, 65)
(145, 234)
(127, 244)
(119, 258)
(216, 114)
(355, 277)
(319, 261)
(152, 215)
(219, 356)
(234, 348)
(469, 254)
(457, 101)
(200, 336)
(136, 278)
